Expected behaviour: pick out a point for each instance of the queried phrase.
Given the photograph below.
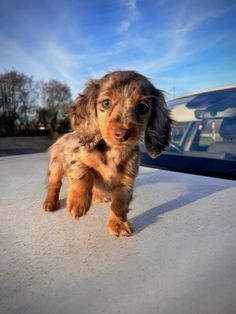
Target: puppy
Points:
(100, 158)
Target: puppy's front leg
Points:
(79, 194)
(118, 225)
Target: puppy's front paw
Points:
(77, 208)
(50, 205)
(119, 228)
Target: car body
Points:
(203, 136)
(180, 259)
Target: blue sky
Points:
(181, 46)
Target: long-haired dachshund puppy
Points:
(100, 158)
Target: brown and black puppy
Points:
(100, 158)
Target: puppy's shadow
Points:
(62, 204)
(190, 195)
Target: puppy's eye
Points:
(106, 103)
(142, 108)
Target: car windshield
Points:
(205, 124)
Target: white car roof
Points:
(180, 259)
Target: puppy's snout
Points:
(122, 134)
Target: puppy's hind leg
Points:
(100, 196)
(100, 193)
(55, 173)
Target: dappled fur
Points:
(101, 156)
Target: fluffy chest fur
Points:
(109, 163)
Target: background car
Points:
(203, 136)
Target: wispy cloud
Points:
(13, 55)
(131, 14)
(63, 61)
(181, 41)
(71, 45)
(199, 19)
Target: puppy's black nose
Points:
(122, 134)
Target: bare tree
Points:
(19, 96)
(56, 97)
(43, 115)
(17, 99)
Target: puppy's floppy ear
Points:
(84, 116)
(158, 130)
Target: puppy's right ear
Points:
(84, 116)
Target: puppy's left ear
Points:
(158, 130)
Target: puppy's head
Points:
(118, 108)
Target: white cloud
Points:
(181, 43)
(123, 27)
(131, 16)
(12, 55)
(199, 19)
(131, 4)
(44, 62)
(63, 61)
(157, 51)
